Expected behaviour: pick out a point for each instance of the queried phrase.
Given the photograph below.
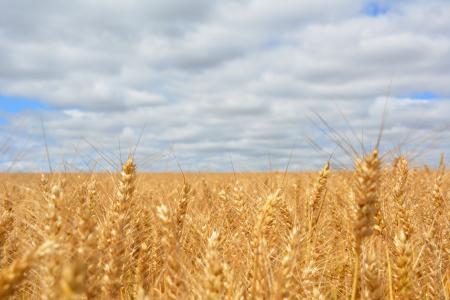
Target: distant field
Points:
(381, 231)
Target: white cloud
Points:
(214, 78)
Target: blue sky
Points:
(240, 78)
(425, 95)
(14, 104)
(376, 8)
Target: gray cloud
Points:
(214, 79)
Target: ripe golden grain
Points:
(156, 236)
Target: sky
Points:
(209, 85)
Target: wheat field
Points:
(379, 231)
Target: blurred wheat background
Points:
(378, 232)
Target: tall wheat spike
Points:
(403, 271)
(261, 234)
(214, 278)
(367, 181)
(403, 218)
(172, 282)
(114, 232)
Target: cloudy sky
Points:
(249, 83)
